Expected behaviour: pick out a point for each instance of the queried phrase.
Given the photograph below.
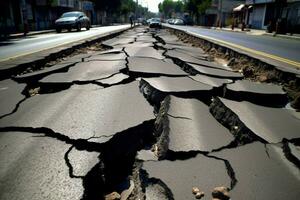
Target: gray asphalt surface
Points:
(35, 43)
(285, 48)
(107, 121)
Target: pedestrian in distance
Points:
(131, 20)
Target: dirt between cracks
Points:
(118, 162)
(252, 69)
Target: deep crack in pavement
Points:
(150, 118)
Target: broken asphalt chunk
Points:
(120, 41)
(262, 172)
(219, 73)
(192, 128)
(215, 82)
(177, 84)
(57, 68)
(260, 93)
(115, 79)
(270, 124)
(144, 52)
(82, 113)
(186, 57)
(140, 44)
(152, 66)
(179, 176)
(108, 57)
(87, 71)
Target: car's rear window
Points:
(71, 14)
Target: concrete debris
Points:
(195, 190)
(262, 171)
(34, 91)
(199, 195)
(113, 196)
(221, 193)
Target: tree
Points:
(204, 5)
(196, 7)
(127, 6)
(167, 7)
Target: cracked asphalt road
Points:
(150, 118)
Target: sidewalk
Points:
(18, 35)
(257, 32)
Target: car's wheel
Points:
(69, 29)
(58, 30)
(78, 27)
(88, 26)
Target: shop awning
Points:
(239, 8)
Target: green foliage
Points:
(196, 7)
(167, 7)
(203, 6)
(127, 6)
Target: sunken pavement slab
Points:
(87, 71)
(152, 66)
(82, 113)
(215, 82)
(144, 52)
(193, 128)
(214, 72)
(177, 84)
(185, 56)
(262, 172)
(270, 124)
(113, 56)
(178, 177)
(261, 93)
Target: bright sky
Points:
(151, 4)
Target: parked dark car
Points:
(70, 20)
(155, 23)
(188, 20)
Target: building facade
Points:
(274, 14)
(17, 15)
(220, 12)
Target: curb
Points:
(21, 35)
(283, 36)
(284, 67)
(249, 32)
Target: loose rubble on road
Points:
(150, 117)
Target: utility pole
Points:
(136, 11)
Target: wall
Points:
(256, 18)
